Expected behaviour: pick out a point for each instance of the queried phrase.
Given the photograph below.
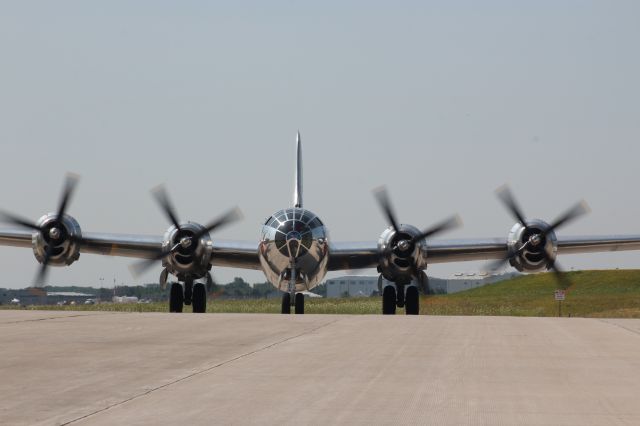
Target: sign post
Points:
(559, 296)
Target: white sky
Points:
(441, 101)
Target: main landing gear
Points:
(395, 296)
(192, 294)
(298, 303)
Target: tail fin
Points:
(297, 190)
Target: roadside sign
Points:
(559, 295)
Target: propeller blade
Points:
(71, 181)
(41, 275)
(231, 216)
(163, 278)
(16, 220)
(561, 276)
(493, 266)
(162, 197)
(450, 223)
(574, 212)
(140, 267)
(507, 198)
(385, 205)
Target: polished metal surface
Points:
(126, 245)
(529, 242)
(184, 260)
(398, 255)
(294, 240)
(595, 244)
(59, 234)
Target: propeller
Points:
(52, 234)
(187, 243)
(537, 239)
(406, 246)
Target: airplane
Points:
(295, 251)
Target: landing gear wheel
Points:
(389, 300)
(286, 303)
(199, 298)
(412, 301)
(176, 298)
(299, 302)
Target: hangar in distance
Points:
(295, 252)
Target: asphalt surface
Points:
(199, 369)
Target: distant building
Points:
(365, 286)
(38, 296)
(352, 286)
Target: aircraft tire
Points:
(412, 301)
(199, 298)
(389, 300)
(299, 304)
(286, 304)
(176, 298)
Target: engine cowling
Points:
(400, 256)
(62, 235)
(528, 245)
(187, 258)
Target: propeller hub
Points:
(185, 242)
(55, 233)
(535, 240)
(404, 245)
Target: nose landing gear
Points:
(298, 303)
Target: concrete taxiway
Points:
(100, 368)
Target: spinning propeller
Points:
(187, 241)
(53, 232)
(537, 238)
(404, 246)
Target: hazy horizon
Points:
(443, 102)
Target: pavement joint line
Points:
(60, 317)
(619, 326)
(197, 373)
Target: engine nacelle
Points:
(397, 253)
(532, 238)
(61, 235)
(188, 260)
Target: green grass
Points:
(613, 294)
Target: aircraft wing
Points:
(343, 255)
(235, 254)
(365, 255)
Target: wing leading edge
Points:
(235, 254)
(343, 255)
(365, 255)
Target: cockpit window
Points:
(315, 223)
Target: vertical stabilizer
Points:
(297, 190)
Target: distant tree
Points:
(238, 288)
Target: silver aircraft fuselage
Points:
(295, 240)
